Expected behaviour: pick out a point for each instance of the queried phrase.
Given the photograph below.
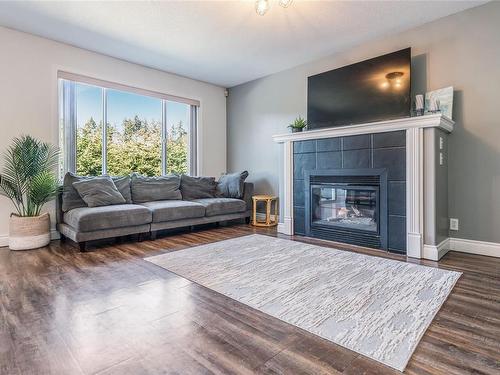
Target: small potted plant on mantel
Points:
(298, 125)
(29, 181)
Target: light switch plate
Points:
(453, 224)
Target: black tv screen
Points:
(373, 90)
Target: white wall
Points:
(28, 97)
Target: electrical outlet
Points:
(453, 224)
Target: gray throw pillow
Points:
(198, 187)
(99, 191)
(70, 197)
(232, 185)
(122, 183)
(149, 189)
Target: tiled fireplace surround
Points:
(396, 146)
(356, 152)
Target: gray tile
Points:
(355, 142)
(391, 139)
(329, 160)
(304, 146)
(328, 144)
(301, 163)
(299, 224)
(397, 233)
(393, 159)
(298, 193)
(396, 194)
(355, 159)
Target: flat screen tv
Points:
(373, 90)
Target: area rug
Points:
(374, 306)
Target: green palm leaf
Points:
(28, 178)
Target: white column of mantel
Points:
(414, 191)
(287, 226)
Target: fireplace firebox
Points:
(347, 206)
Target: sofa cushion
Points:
(198, 187)
(231, 185)
(70, 197)
(221, 206)
(174, 210)
(148, 189)
(99, 191)
(87, 219)
(122, 183)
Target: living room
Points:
(271, 186)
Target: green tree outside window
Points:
(135, 147)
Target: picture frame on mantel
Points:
(440, 100)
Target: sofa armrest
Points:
(59, 211)
(247, 194)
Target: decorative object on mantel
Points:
(268, 200)
(298, 125)
(29, 181)
(440, 101)
(419, 105)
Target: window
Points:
(134, 134)
(88, 130)
(114, 129)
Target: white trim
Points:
(414, 192)
(436, 252)
(428, 121)
(287, 227)
(463, 245)
(4, 240)
(118, 86)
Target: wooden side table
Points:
(268, 199)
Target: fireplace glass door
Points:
(345, 207)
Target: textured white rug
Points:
(374, 306)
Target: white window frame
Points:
(68, 127)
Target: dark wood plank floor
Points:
(110, 312)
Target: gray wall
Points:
(462, 50)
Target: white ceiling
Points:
(221, 42)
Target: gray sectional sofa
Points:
(148, 205)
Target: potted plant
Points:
(298, 125)
(29, 181)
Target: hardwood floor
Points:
(108, 311)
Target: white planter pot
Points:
(27, 233)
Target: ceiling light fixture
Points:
(285, 3)
(262, 6)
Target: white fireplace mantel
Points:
(414, 127)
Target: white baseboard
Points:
(491, 249)
(4, 239)
(436, 252)
(431, 252)
(286, 227)
(281, 228)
